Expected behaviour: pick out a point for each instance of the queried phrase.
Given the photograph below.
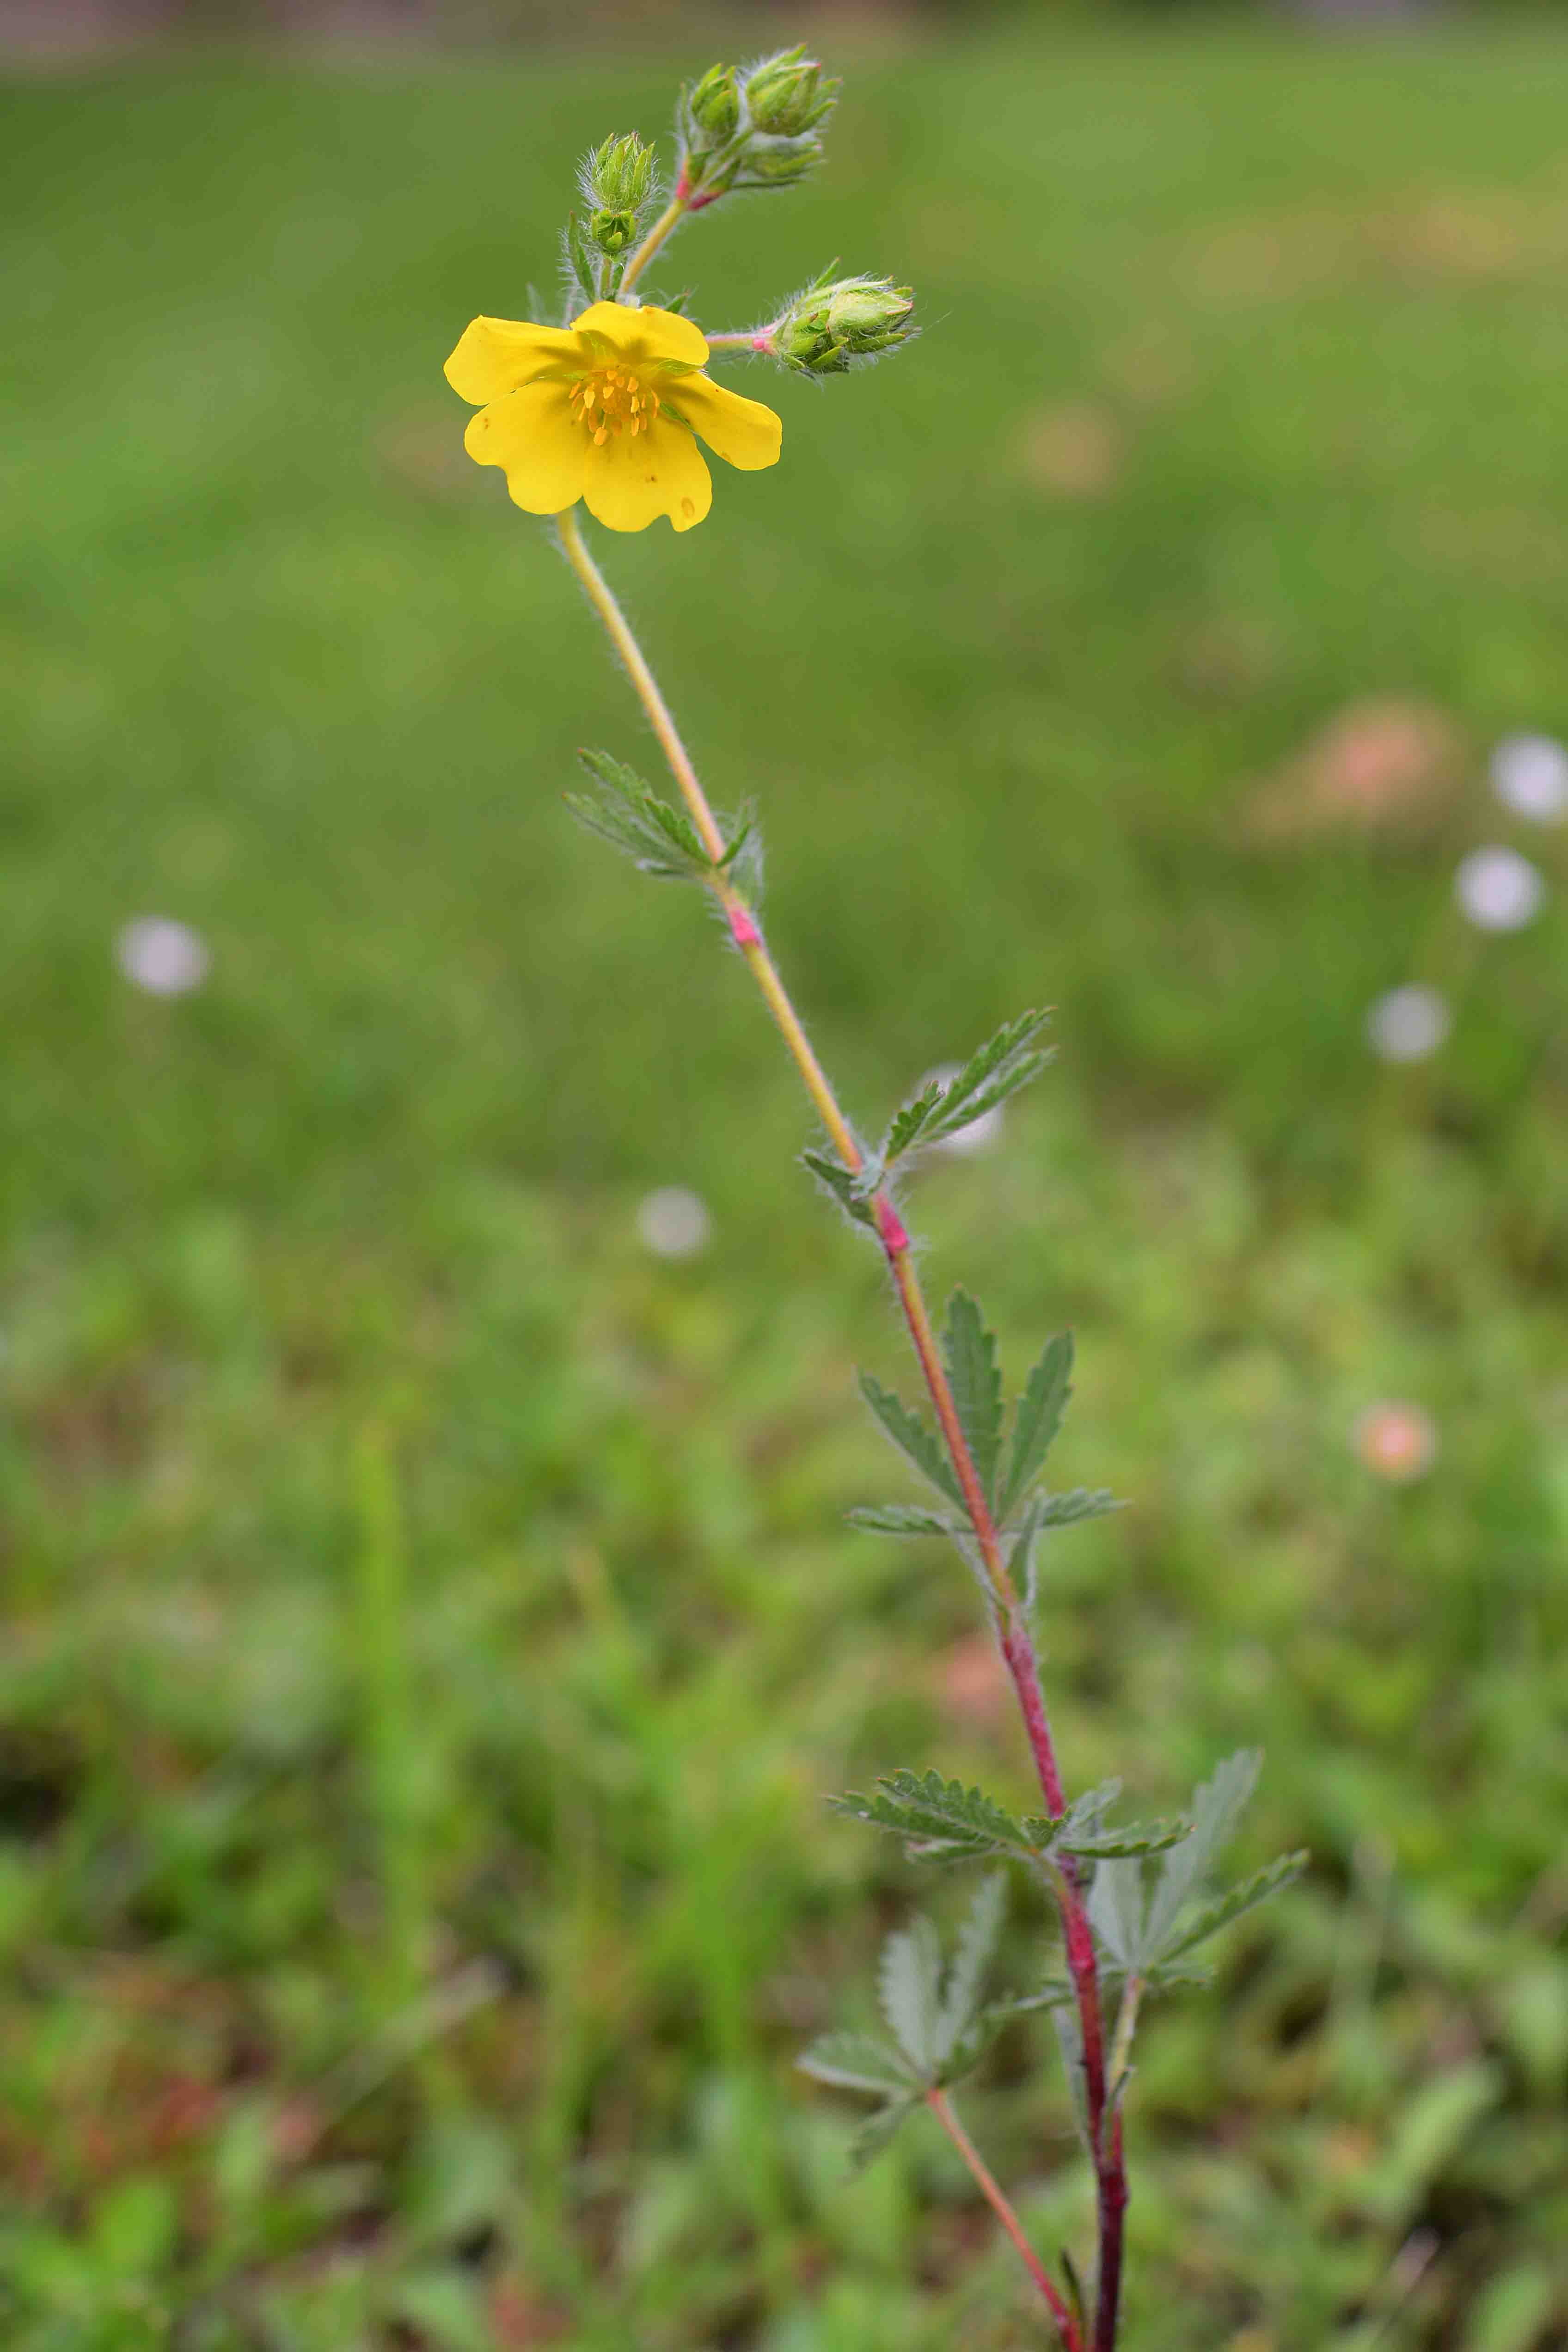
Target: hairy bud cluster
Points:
(616, 179)
(755, 129)
(836, 322)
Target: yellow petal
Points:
(742, 432)
(533, 433)
(644, 334)
(635, 478)
(495, 355)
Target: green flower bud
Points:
(618, 174)
(786, 96)
(612, 232)
(779, 163)
(714, 105)
(854, 318)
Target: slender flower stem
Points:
(667, 221)
(749, 338)
(943, 2109)
(1013, 1634)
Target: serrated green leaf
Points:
(1236, 1900)
(1116, 1911)
(834, 1178)
(909, 1986)
(969, 1354)
(973, 1955)
(913, 1437)
(856, 2062)
(1078, 1503)
(1136, 1839)
(625, 811)
(1039, 1417)
(911, 1119)
(898, 1519)
(1215, 1808)
(1004, 1063)
(877, 2130)
(938, 1814)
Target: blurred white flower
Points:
(1397, 1440)
(166, 958)
(1408, 1024)
(1529, 776)
(1499, 889)
(980, 1133)
(674, 1222)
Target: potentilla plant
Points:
(610, 409)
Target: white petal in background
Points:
(674, 1222)
(1529, 776)
(1408, 1024)
(1498, 891)
(165, 958)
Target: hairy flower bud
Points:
(786, 96)
(714, 105)
(779, 163)
(612, 232)
(617, 176)
(847, 319)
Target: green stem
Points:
(664, 227)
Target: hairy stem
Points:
(1014, 1634)
(943, 2109)
(667, 221)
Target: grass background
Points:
(430, 1629)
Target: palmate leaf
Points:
(910, 1434)
(973, 1955)
(1039, 1417)
(942, 1819)
(909, 1986)
(858, 2061)
(1004, 1063)
(1116, 1913)
(969, 1354)
(1217, 1808)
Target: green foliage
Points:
(940, 2024)
(1002, 1066)
(942, 1820)
(1037, 1420)
(849, 1191)
(913, 1437)
(1144, 1930)
(969, 1355)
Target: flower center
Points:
(613, 400)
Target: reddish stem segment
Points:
(1013, 1629)
(942, 2108)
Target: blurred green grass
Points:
(430, 1631)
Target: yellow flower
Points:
(606, 410)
